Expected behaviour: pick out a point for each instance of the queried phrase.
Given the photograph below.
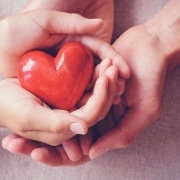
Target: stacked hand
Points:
(150, 59)
(46, 125)
(141, 105)
(50, 30)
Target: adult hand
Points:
(152, 51)
(42, 153)
(89, 9)
(150, 61)
(151, 55)
(48, 30)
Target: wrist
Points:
(165, 26)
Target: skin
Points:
(161, 36)
(151, 49)
(89, 9)
(56, 126)
(61, 153)
(154, 56)
(50, 32)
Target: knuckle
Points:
(25, 119)
(57, 125)
(127, 141)
(126, 138)
(54, 127)
(152, 112)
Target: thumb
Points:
(65, 23)
(133, 123)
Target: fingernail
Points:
(121, 85)
(4, 143)
(99, 152)
(77, 128)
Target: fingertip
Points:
(4, 142)
(42, 156)
(37, 155)
(126, 72)
(72, 149)
(86, 25)
(98, 22)
(121, 85)
(104, 65)
(123, 67)
(51, 156)
(78, 128)
(112, 73)
(11, 147)
(98, 152)
(7, 139)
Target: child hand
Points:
(97, 105)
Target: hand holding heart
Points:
(46, 31)
(61, 81)
(29, 116)
(50, 29)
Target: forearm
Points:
(166, 26)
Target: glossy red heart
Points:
(59, 81)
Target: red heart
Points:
(59, 81)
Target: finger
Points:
(94, 77)
(19, 145)
(100, 70)
(36, 116)
(53, 139)
(121, 82)
(102, 98)
(72, 149)
(92, 110)
(7, 139)
(65, 23)
(121, 85)
(133, 123)
(51, 126)
(112, 74)
(86, 141)
(104, 65)
(36, 121)
(40, 118)
(54, 157)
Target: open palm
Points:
(144, 89)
